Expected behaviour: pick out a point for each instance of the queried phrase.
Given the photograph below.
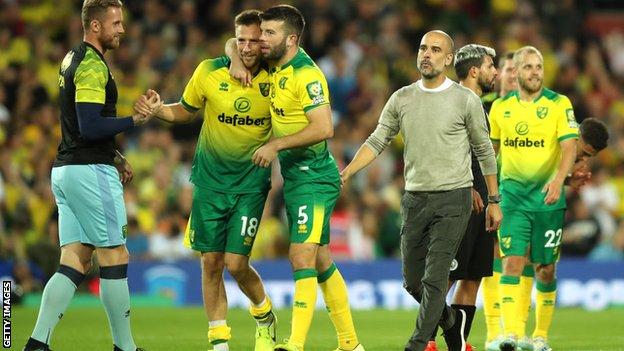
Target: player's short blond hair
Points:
(519, 55)
(93, 9)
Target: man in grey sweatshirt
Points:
(440, 122)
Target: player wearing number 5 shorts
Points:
(302, 123)
(535, 132)
(230, 191)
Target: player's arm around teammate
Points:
(302, 123)
(230, 191)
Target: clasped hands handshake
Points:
(146, 107)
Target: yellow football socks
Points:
(262, 311)
(304, 302)
(509, 293)
(218, 332)
(544, 307)
(491, 305)
(337, 301)
(524, 302)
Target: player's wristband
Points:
(494, 199)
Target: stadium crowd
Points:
(367, 49)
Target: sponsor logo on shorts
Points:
(248, 241)
(303, 229)
(454, 265)
(124, 231)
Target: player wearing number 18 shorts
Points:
(230, 191)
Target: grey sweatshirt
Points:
(439, 126)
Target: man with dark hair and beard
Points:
(302, 122)
(474, 65)
(536, 132)
(442, 123)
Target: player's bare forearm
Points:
(230, 49)
(491, 183)
(496, 146)
(319, 128)
(568, 156)
(364, 156)
(237, 69)
(174, 113)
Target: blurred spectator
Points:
(167, 243)
(610, 250)
(581, 230)
(137, 241)
(600, 197)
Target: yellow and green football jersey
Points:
(529, 134)
(296, 88)
(237, 121)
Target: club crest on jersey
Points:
(315, 92)
(67, 61)
(282, 82)
(542, 112)
(264, 89)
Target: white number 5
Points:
(303, 217)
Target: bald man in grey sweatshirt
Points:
(440, 122)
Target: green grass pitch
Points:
(184, 329)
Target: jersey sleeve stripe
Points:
(312, 107)
(568, 136)
(188, 107)
(495, 140)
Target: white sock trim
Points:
(217, 323)
(262, 303)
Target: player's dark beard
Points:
(485, 86)
(277, 52)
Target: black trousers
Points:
(433, 226)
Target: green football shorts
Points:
(539, 231)
(309, 207)
(222, 222)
